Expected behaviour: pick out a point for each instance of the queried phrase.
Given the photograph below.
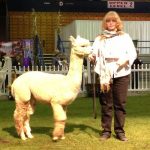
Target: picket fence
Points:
(139, 78)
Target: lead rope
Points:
(94, 91)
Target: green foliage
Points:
(82, 130)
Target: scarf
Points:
(109, 34)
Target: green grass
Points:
(82, 130)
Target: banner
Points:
(120, 4)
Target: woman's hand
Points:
(122, 63)
(92, 57)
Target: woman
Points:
(114, 53)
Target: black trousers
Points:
(114, 100)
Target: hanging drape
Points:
(138, 30)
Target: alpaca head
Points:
(7, 61)
(80, 46)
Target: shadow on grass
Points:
(81, 127)
(38, 130)
(48, 130)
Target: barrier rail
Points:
(139, 78)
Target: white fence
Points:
(7, 80)
(139, 78)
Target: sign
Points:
(120, 4)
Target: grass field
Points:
(82, 130)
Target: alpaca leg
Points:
(28, 129)
(59, 111)
(19, 125)
(30, 111)
(22, 135)
(20, 116)
(63, 123)
(58, 132)
(59, 117)
(31, 106)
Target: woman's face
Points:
(111, 24)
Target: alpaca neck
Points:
(75, 68)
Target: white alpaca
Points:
(55, 89)
(3, 71)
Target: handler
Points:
(118, 53)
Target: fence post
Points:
(9, 71)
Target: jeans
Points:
(114, 100)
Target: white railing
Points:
(139, 78)
(49, 69)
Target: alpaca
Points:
(55, 89)
(3, 71)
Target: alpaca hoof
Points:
(23, 138)
(31, 136)
(63, 137)
(55, 139)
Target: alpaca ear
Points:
(78, 37)
(72, 39)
